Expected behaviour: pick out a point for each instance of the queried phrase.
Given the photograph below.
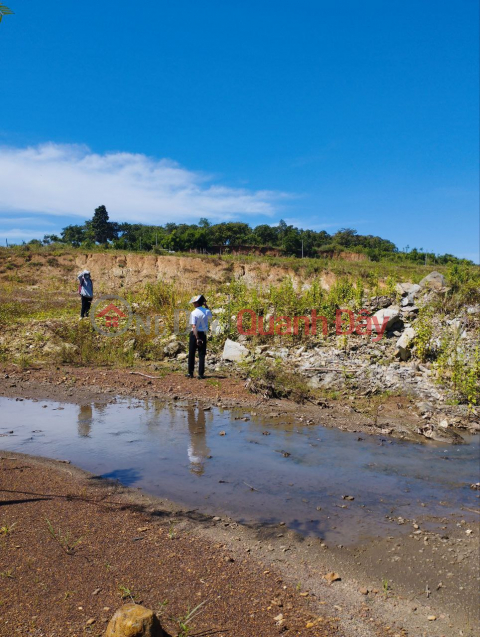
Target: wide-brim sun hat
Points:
(197, 299)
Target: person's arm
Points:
(195, 333)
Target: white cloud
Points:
(17, 233)
(72, 180)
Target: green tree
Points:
(101, 228)
(265, 235)
(75, 235)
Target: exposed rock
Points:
(441, 435)
(331, 381)
(217, 328)
(261, 348)
(404, 342)
(133, 620)
(434, 280)
(60, 348)
(410, 311)
(314, 382)
(408, 289)
(279, 352)
(390, 314)
(233, 351)
(403, 288)
(378, 302)
(173, 347)
(128, 345)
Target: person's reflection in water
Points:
(84, 420)
(100, 408)
(197, 449)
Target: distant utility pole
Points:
(302, 248)
(156, 239)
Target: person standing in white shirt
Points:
(199, 320)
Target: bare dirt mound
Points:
(131, 270)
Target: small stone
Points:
(135, 621)
(91, 621)
(222, 433)
(431, 618)
(332, 577)
(363, 590)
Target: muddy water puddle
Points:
(253, 469)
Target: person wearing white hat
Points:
(199, 319)
(85, 289)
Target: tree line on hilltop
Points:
(204, 236)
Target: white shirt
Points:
(200, 317)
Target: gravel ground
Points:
(73, 550)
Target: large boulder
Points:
(404, 342)
(389, 314)
(233, 351)
(434, 280)
(133, 620)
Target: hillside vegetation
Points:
(204, 237)
(39, 318)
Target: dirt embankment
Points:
(113, 271)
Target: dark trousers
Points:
(86, 303)
(202, 350)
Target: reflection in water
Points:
(125, 476)
(299, 472)
(84, 420)
(101, 408)
(197, 449)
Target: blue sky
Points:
(326, 114)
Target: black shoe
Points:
(201, 376)
(188, 375)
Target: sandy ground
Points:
(416, 583)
